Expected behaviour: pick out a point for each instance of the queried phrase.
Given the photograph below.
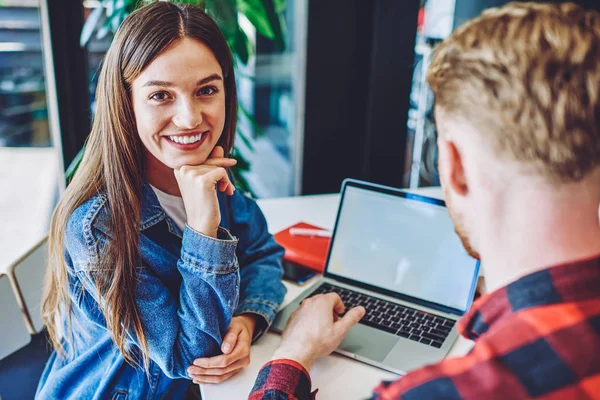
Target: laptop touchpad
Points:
(368, 342)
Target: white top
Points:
(173, 206)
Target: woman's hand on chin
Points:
(199, 185)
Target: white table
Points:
(335, 376)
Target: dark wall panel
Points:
(71, 70)
(359, 69)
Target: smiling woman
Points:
(179, 106)
(161, 271)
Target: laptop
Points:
(396, 254)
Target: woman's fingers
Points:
(223, 185)
(198, 185)
(218, 152)
(217, 158)
(198, 190)
(230, 189)
(211, 379)
(198, 372)
(221, 162)
(221, 179)
(230, 339)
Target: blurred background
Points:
(328, 90)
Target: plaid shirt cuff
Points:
(282, 379)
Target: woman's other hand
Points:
(236, 353)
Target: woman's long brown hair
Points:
(113, 164)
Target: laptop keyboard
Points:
(394, 318)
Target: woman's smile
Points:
(186, 141)
(179, 105)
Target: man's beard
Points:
(459, 226)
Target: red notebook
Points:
(310, 251)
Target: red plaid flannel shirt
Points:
(537, 338)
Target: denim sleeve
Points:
(261, 289)
(180, 330)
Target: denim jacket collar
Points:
(151, 212)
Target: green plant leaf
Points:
(278, 24)
(74, 165)
(193, 2)
(132, 5)
(242, 46)
(264, 17)
(238, 172)
(242, 163)
(280, 5)
(241, 74)
(257, 129)
(111, 6)
(225, 15)
(103, 31)
(110, 22)
(117, 18)
(256, 13)
(90, 25)
(246, 139)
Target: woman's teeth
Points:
(185, 139)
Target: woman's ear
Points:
(451, 167)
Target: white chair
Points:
(15, 332)
(27, 274)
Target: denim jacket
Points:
(189, 286)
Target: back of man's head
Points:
(518, 111)
(527, 78)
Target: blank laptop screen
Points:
(402, 245)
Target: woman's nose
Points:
(188, 115)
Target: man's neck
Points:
(550, 230)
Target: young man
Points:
(518, 111)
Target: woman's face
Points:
(179, 106)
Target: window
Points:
(271, 88)
(436, 21)
(29, 163)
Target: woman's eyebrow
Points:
(210, 78)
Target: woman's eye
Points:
(159, 96)
(208, 91)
